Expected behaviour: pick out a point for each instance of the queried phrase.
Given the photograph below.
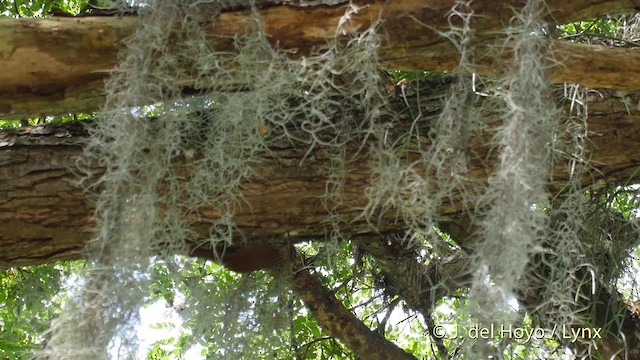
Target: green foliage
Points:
(613, 31)
(40, 8)
(29, 298)
(626, 200)
(59, 119)
(158, 353)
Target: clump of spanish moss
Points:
(147, 205)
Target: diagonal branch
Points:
(336, 320)
(332, 316)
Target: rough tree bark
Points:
(45, 217)
(58, 65)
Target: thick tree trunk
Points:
(58, 65)
(44, 216)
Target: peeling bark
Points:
(58, 65)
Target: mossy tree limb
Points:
(45, 217)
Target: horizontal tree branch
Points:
(58, 65)
(45, 217)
